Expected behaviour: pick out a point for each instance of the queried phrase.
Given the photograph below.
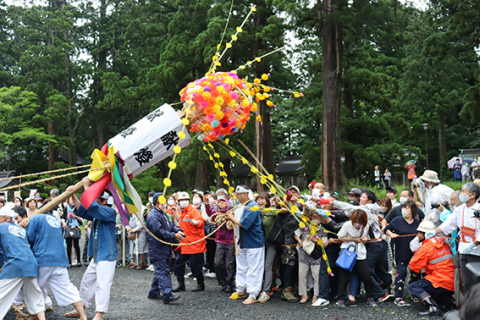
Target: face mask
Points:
(150, 200)
(210, 200)
(184, 203)
(406, 213)
(171, 202)
(17, 204)
(326, 195)
(357, 225)
(403, 200)
(2, 197)
(316, 193)
(463, 198)
(197, 201)
(65, 205)
(52, 197)
(39, 205)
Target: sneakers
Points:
(304, 299)
(401, 303)
(383, 298)
(350, 303)
(371, 302)
(264, 297)
(188, 275)
(211, 275)
(150, 268)
(341, 303)
(289, 296)
(321, 303)
(314, 299)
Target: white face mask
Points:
(2, 197)
(52, 197)
(196, 201)
(184, 203)
(17, 204)
(171, 202)
(210, 200)
(316, 193)
(39, 205)
(65, 205)
(150, 200)
(326, 195)
(406, 213)
(403, 200)
(463, 198)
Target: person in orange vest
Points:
(433, 256)
(191, 222)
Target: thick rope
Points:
(49, 179)
(197, 241)
(45, 172)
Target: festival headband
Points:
(241, 189)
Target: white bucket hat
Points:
(426, 226)
(183, 196)
(430, 176)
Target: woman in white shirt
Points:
(354, 232)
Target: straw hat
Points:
(430, 176)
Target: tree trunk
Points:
(71, 110)
(263, 130)
(441, 136)
(202, 177)
(331, 166)
(350, 134)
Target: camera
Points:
(476, 213)
(436, 205)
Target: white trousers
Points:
(57, 279)
(302, 278)
(250, 267)
(96, 284)
(9, 289)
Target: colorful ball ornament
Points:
(220, 104)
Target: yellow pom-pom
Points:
(239, 30)
(254, 9)
(329, 271)
(221, 165)
(266, 89)
(266, 95)
(324, 256)
(294, 208)
(216, 155)
(185, 121)
(255, 208)
(249, 62)
(177, 149)
(301, 201)
(234, 37)
(181, 135)
(211, 158)
(296, 95)
(216, 165)
(254, 107)
(167, 182)
(263, 180)
(254, 170)
(258, 59)
(210, 145)
(232, 154)
(172, 165)
(264, 77)
(218, 46)
(227, 141)
(269, 103)
(312, 232)
(230, 190)
(302, 225)
(245, 161)
(273, 190)
(225, 181)
(234, 296)
(259, 118)
(187, 111)
(162, 200)
(256, 80)
(228, 45)
(204, 148)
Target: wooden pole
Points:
(123, 246)
(60, 199)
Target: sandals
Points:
(250, 300)
(238, 295)
(72, 314)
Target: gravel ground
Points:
(129, 301)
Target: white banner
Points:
(150, 140)
(17, 194)
(32, 193)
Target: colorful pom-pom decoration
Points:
(220, 105)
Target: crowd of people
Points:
(251, 243)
